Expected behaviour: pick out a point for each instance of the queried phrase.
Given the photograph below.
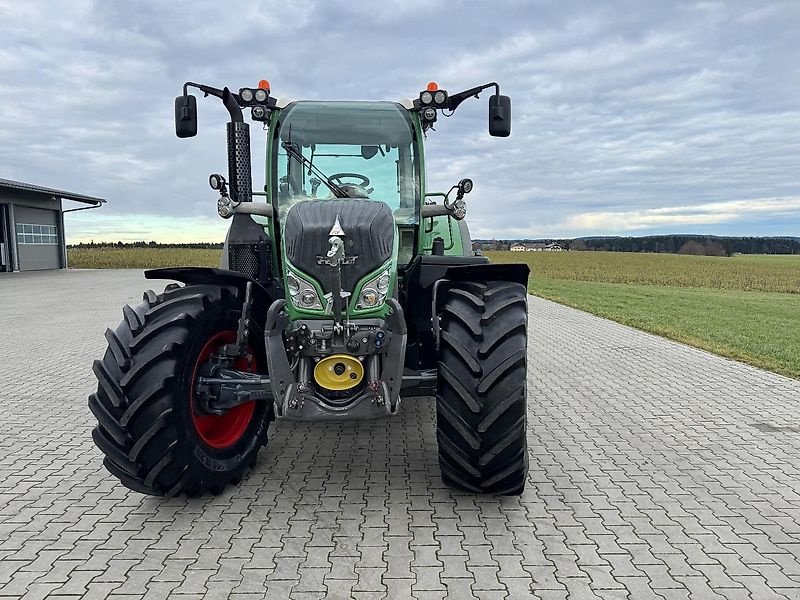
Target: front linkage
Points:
(320, 347)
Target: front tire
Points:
(481, 405)
(153, 438)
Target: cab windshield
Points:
(364, 148)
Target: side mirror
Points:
(499, 116)
(368, 151)
(186, 116)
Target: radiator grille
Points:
(253, 260)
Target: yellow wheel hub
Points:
(339, 372)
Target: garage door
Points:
(37, 238)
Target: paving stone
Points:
(653, 473)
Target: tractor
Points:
(344, 286)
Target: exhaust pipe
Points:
(239, 169)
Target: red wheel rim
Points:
(222, 431)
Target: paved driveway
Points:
(656, 470)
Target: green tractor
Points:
(347, 288)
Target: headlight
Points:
(292, 284)
(369, 298)
(302, 293)
(308, 298)
(261, 95)
(374, 292)
(440, 97)
(246, 94)
(383, 283)
(426, 97)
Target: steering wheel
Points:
(354, 190)
(363, 180)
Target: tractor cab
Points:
(366, 149)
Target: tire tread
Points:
(138, 428)
(481, 400)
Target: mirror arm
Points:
(228, 99)
(456, 99)
(206, 89)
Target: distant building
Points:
(537, 247)
(32, 225)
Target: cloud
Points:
(87, 226)
(707, 214)
(621, 109)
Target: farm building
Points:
(32, 225)
(537, 247)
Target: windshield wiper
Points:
(297, 155)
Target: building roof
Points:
(37, 189)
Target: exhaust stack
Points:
(239, 169)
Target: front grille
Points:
(369, 237)
(253, 260)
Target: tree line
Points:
(707, 245)
(196, 245)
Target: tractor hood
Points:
(366, 227)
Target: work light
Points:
(216, 181)
(459, 209)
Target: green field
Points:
(752, 272)
(746, 307)
(141, 258)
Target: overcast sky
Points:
(628, 117)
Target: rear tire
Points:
(481, 419)
(148, 429)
